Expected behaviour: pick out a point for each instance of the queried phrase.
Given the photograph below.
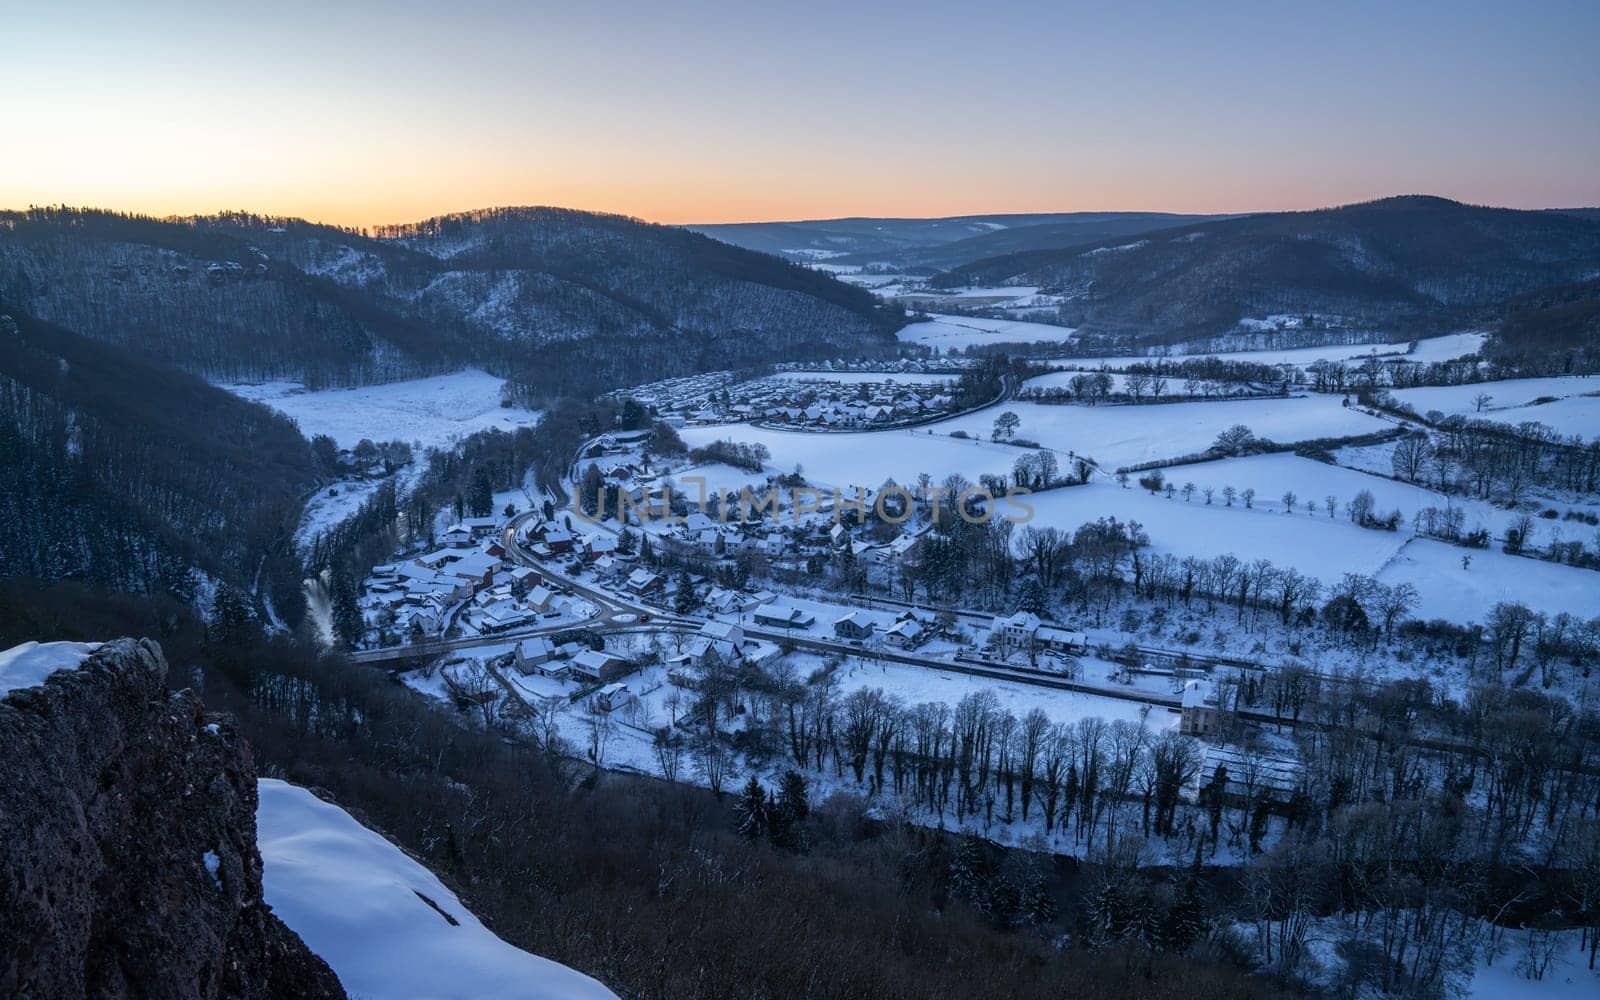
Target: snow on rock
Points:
(29, 664)
(358, 901)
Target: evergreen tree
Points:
(751, 812)
(793, 795)
(231, 622)
(590, 485)
(682, 593)
(348, 626)
(481, 499)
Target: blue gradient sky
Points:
(372, 112)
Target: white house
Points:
(905, 633)
(1020, 629)
(613, 696)
(533, 653)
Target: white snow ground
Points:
(428, 411)
(356, 900)
(1576, 409)
(948, 332)
(1128, 435)
(865, 459)
(28, 664)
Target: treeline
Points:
(132, 475)
(1490, 459)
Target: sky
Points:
(369, 112)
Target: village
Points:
(850, 397)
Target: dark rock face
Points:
(117, 803)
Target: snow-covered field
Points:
(430, 411)
(868, 458)
(1467, 593)
(950, 332)
(914, 685)
(1313, 482)
(358, 901)
(1576, 409)
(1127, 435)
(1327, 548)
(1443, 348)
(717, 476)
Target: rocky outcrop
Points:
(128, 860)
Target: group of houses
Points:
(417, 594)
(465, 580)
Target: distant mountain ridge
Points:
(1406, 265)
(556, 300)
(936, 244)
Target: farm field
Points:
(427, 411)
(1576, 409)
(1117, 436)
(1468, 593)
(1443, 348)
(1327, 548)
(961, 332)
(864, 459)
(1312, 482)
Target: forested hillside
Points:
(126, 474)
(1401, 265)
(555, 300)
(1551, 331)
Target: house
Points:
(701, 652)
(1199, 713)
(612, 697)
(722, 601)
(503, 615)
(533, 653)
(596, 665)
(1061, 640)
(710, 542)
(854, 625)
(481, 527)
(904, 546)
(436, 558)
(539, 598)
(1020, 629)
(905, 633)
(456, 537)
(779, 616)
(837, 535)
(642, 581)
(522, 578)
(477, 568)
(1249, 776)
(723, 632)
(558, 540)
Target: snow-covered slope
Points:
(358, 901)
(30, 663)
